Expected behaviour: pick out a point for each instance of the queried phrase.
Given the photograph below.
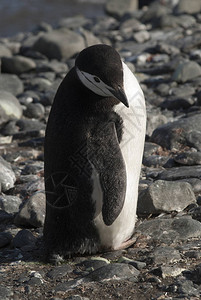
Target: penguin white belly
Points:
(132, 145)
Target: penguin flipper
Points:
(109, 163)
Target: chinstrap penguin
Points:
(93, 152)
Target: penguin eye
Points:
(96, 79)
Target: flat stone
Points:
(60, 271)
(165, 196)
(10, 105)
(7, 176)
(59, 44)
(165, 255)
(11, 83)
(182, 172)
(93, 264)
(187, 71)
(171, 271)
(32, 212)
(116, 271)
(170, 230)
(17, 64)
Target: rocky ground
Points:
(161, 45)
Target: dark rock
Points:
(23, 237)
(10, 203)
(59, 44)
(32, 212)
(34, 110)
(165, 196)
(116, 271)
(34, 143)
(181, 173)
(10, 105)
(5, 239)
(7, 176)
(17, 64)
(175, 134)
(188, 158)
(11, 83)
(174, 103)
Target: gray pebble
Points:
(32, 212)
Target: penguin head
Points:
(100, 69)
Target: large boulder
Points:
(60, 44)
(10, 105)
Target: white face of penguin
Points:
(95, 84)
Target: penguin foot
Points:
(126, 244)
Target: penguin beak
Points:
(120, 95)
